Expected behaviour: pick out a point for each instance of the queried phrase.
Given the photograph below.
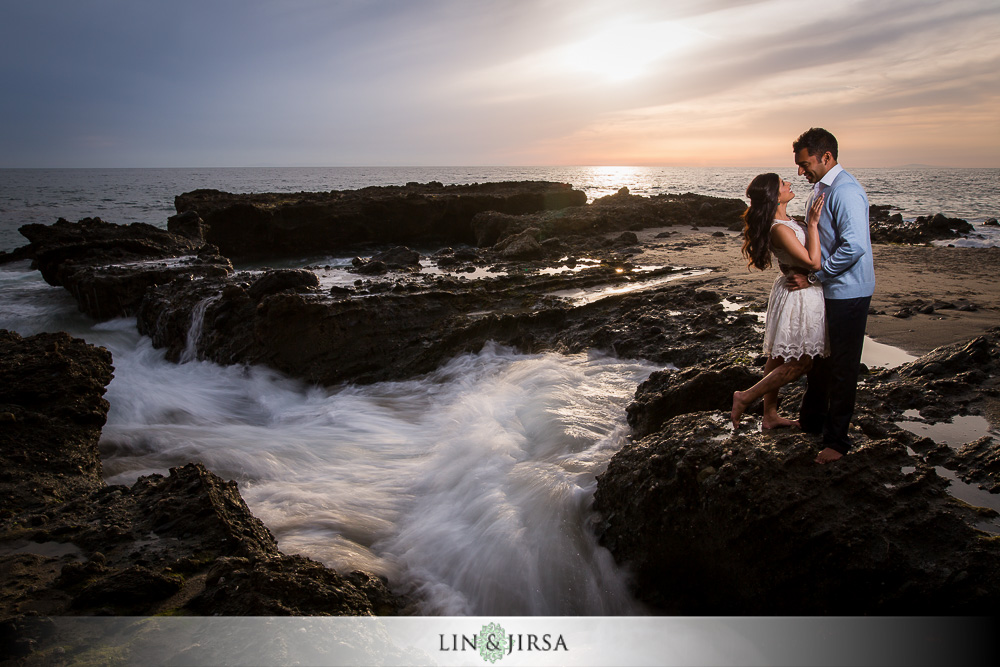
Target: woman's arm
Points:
(808, 256)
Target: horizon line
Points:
(499, 166)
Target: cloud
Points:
(919, 68)
(218, 82)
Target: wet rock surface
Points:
(175, 544)
(349, 337)
(397, 321)
(667, 394)
(889, 227)
(717, 521)
(52, 408)
(619, 212)
(108, 267)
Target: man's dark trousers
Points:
(828, 404)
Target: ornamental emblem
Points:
(492, 642)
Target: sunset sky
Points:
(187, 83)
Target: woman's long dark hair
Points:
(763, 194)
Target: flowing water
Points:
(470, 487)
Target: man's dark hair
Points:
(816, 141)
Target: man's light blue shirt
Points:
(847, 270)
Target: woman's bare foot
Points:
(828, 455)
(739, 406)
(776, 421)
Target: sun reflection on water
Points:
(604, 181)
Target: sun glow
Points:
(623, 51)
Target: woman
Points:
(795, 331)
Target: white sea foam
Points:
(470, 487)
(190, 351)
(28, 305)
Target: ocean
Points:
(469, 487)
(147, 195)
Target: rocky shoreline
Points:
(710, 521)
(184, 543)
(723, 522)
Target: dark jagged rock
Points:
(187, 224)
(398, 258)
(523, 245)
(447, 257)
(16, 255)
(628, 238)
(371, 267)
(911, 307)
(924, 229)
(280, 225)
(92, 240)
(277, 281)
(880, 213)
(289, 586)
(108, 267)
(133, 587)
(674, 209)
(108, 563)
(330, 338)
(71, 545)
(713, 521)
(52, 408)
(714, 524)
(666, 394)
(975, 354)
(619, 212)
(108, 291)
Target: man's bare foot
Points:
(739, 406)
(828, 455)
(778, 422)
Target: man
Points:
(848, 278)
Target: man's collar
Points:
(827, 179)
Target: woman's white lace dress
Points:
(796, 320)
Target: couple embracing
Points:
(818, 307)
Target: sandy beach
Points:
(907, 276)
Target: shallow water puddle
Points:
(564, 266)
(733, 306)
(580, 297)
(736, 307)
(961, 430)
(883, 356)
(468, 271)
(967, 493)
(973, 495)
